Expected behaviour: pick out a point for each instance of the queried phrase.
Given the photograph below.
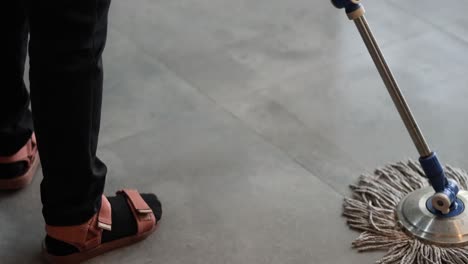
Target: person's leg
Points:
(67, 41)
(15, 118)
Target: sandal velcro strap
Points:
(141, 211)
(87, 235)
(26, 153)
(74, 235)
(134, 197)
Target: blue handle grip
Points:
(434, 171)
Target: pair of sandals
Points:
(87, 236)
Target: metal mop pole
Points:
(393, 89)
(446, 190)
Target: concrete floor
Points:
(251, 118)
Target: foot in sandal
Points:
(124, 219)
(18, 170)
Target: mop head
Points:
(372, 211)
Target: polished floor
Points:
(250, 118)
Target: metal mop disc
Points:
(389, 208)
(415, 216)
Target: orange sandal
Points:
(28, 154)
(87, 237)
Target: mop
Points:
(415, 211)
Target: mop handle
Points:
(446, 190)
(392, 87)
(356, 12)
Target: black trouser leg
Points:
(15, 118)
(67, 40)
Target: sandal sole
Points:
(97, 251)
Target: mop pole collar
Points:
(352, 7)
